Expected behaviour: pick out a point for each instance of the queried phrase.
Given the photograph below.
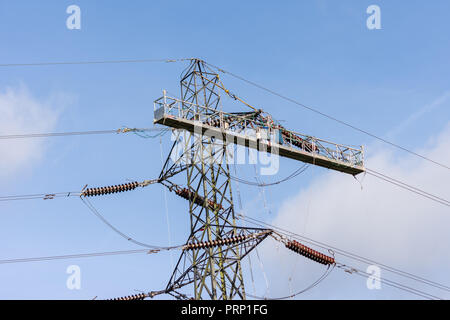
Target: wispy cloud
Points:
(20, 112)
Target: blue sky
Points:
(392, 82)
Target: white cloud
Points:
(382, 222)
(20, 113)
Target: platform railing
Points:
(174, 107)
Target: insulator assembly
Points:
(191, 196)
(224, 241)
(309, 253)
(91, 192)
(139, 296)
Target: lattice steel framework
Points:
(215, 272)
(203, 132)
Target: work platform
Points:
(256, 131)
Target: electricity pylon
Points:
(203, 132)
(214, 272)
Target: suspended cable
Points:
(123, 235)
(79, 133)
(328, 270)
(52, 63)
(261, 191)
(262, 184)
(89, 192)
(350, 255)
(346, 253)
(144, 135)
(238, 191)
(263, 271)
(75, 256)
(408, 187)
(44, 196)
(330, 261)
(388, 282)
(251, 273)
(328, 116)
(240, 210)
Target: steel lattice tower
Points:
(197, 169)
(203, 132)
(215, 272)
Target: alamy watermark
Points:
(73, 22)
(251, 146)
(74, 280)
(373, 22)
(374, 280)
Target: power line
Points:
(392, 283)
(262, 184)
(353, 270)
(79, 133)
(314, 284)
(408, 187)
(52, 63)
(44, 196)
(123, 235)
(74, 256)
(346, 253)
(328, 116)
(86, 192)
